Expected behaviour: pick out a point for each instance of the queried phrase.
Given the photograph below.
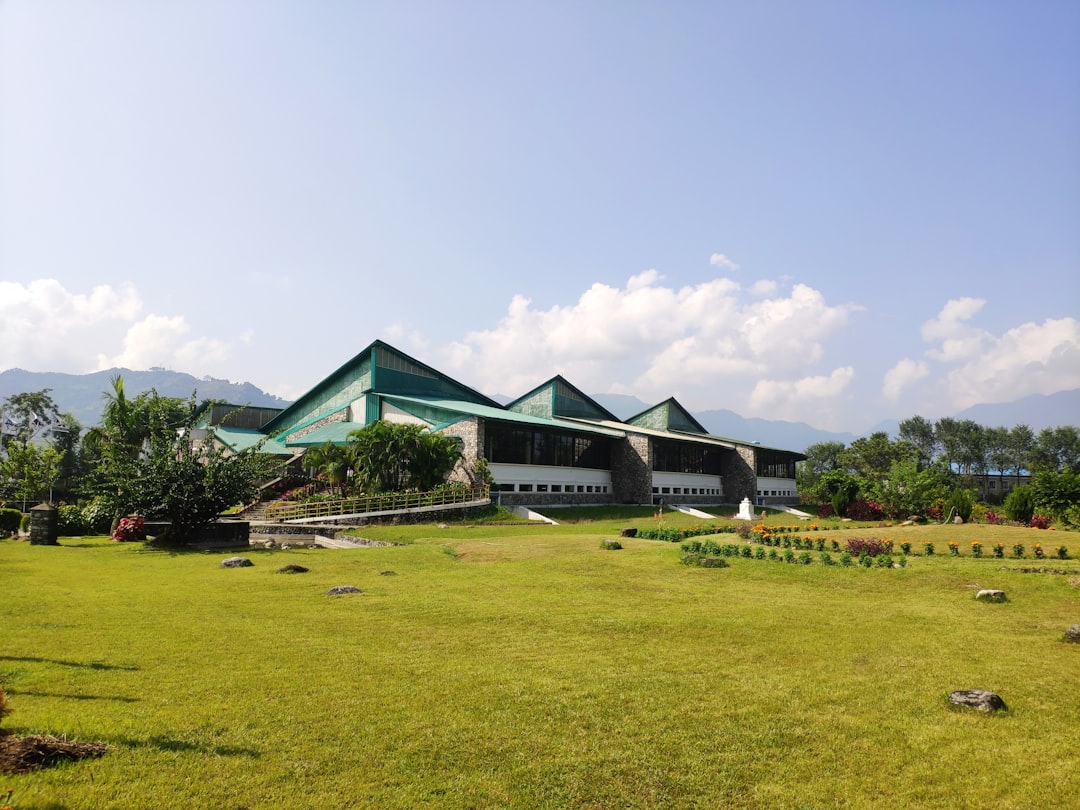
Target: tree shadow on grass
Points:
(61, 663)
(32, 693)
(162, 742)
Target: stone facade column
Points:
(740, 476)
(631, 470)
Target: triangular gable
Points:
(557, 398)
(668, 415)
(380, 369)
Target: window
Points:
(556, 487)
(508, 445)
(541, 487)
(524, 487)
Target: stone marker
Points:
(990, 595)
(236, 562)
(746, 510)
(977, 699)
(1073, 634)
(340, 589)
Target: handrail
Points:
(282, 511)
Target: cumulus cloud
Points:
(804, 399)
(1033, 358)
(45, 327)
(654, 341)
(720, 260)
(902, 376)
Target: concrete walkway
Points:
(791, 510)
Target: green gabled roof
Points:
(381, 369)
(558, 398)
(241, 439)
(668, 415)
(497, 413)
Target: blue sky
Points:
(830, 212)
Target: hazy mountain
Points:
(81, 395)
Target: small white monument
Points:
(746, 511)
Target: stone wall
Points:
(631, 470)
(471, 433)
(740, 478)
(337, 416)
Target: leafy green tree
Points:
(389, 457)
(30, 471)
(186, 483)
(1021, 445)
(998, 452)
(911, 490)
(332, 463)
(1055, 493)
(871, 457)
(1057, 448)
(28, 413)
(919, 434)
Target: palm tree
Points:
(331, 462)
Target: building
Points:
(553, 445)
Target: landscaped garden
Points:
(522, 665)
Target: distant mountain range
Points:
(1037, 411)
(81, 395)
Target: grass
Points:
(523, 666)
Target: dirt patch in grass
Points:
(32, 753)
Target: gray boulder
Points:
(236, 562)
(979, 699)
(1073, 634)
(990, 595)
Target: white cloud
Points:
(45, 327)
(1028, 359)
(808, 399)
(958, 340)
(720, 260)
(902, 376)
(700, 341)
(764, 287)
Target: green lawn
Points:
(523, 666)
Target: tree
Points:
(30, 471)
(1055, 493)
(919, 433)
(909, 490)
(332, 463)
(389, 457)
(839, 488)
(27, 414)
(820, 458)
(998, 452)
(1057, 448)
(872, 456)
(1021, 445)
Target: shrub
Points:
(826, 558)
(928, 549)
(610, 545)
(773, 555)
(1062, 553)
(865, 560)
(713, 562)
(992, 517)
(1020, 504)
(905, 547)
(976, 548)
(1018, 550)
(789, 555)
(960, 503)
(826, 511)
(863, 509)
(10, 519)
(836, 545)
(857, 546)
(954, 548)
(999, 549)
(845, 559)
(743, 530)
(746, 551)
(759, 553)
(97, 516)
(884, 561)
(805, 558)
(70, 521)
(130, 530)
(1040, 522)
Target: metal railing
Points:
(283, 511)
